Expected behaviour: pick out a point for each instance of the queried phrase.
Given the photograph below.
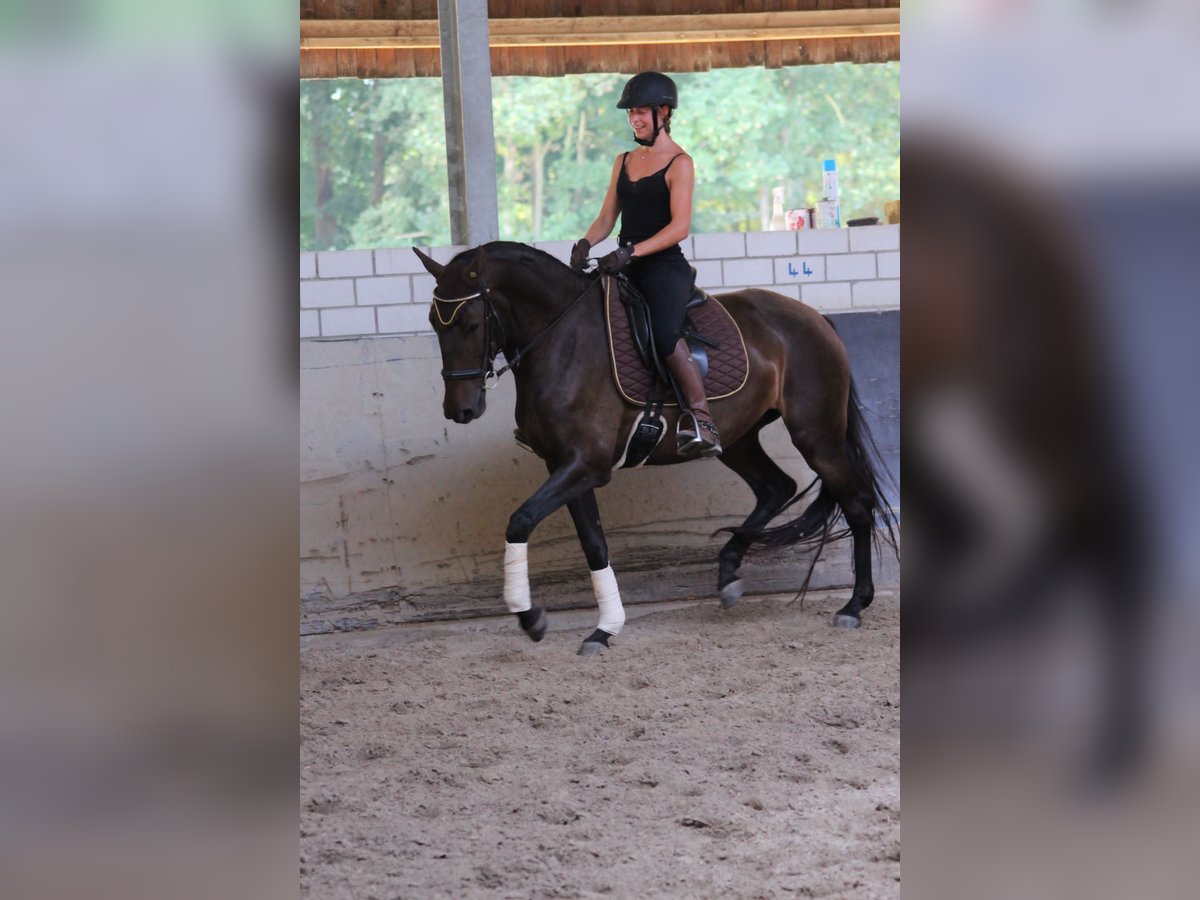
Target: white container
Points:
(799, 219)
(778, 219)
(829, 214)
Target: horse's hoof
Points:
(841, 620)
(534, 623)
(731, 593)
(596, 642)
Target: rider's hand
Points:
(579, 254)
(615, 261)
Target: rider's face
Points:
(642, 121)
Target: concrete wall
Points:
(403, 513)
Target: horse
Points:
(548, 321)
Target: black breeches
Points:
(665, 280)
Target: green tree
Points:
(373, 166)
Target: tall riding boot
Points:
(696, 433)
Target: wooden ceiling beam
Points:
(583, 31)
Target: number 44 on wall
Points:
(804, 269)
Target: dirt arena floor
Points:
(750, 752)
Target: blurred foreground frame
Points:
(1033, 621)
(1020, 491)
(148, 714)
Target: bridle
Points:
(492, 326)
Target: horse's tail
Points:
(815, 527)
(868, 470)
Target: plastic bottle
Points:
(829, 209)
(829, 181)
(778, 219)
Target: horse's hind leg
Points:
(772, 490)
(854, 494)
(857, 503)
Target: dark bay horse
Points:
(549, 322)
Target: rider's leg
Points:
(665, 280)
(695, 433)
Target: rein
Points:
(487, 370)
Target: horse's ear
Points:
(475, 269)
(433, 267)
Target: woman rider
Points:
(651, 189)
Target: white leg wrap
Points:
(608, 598)
(516, 577)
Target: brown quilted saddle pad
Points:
(727, 367)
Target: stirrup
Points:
(702, 439)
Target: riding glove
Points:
(579, 254)
(615, 261)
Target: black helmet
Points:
(651, 89)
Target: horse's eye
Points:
(471, 329)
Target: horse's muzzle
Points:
(462, 413)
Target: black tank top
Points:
(645, 203)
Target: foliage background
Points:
(373, 157)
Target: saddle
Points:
(714, 339)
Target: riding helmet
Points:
(651, 89)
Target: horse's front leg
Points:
(586, 516)
(564, 485)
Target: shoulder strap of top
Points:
(673, 158)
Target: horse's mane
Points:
(522, 254)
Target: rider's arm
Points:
(681, 178)
(603, 226)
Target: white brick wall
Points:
(401, 261)
(877, 294)
(771, 243)
(444, 254)
(388, 289)
(310, 323)
(344, 293)
(327, 293)
(422, 288)
(344, 263)
(850, 266)
(708, 273)
(401, 319)
(823, 240)
(749, 271)
(718, 246)
(874, 237)
(799, 270)
(336, 322)
(831, 295)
